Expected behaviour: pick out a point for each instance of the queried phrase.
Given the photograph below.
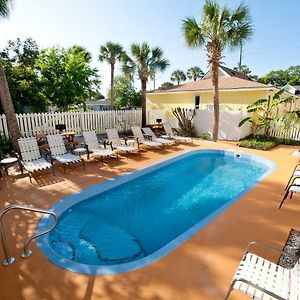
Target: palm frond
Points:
(110, 52)
(240, 26)
(5, 8)
(192, 33)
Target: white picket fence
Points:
(32, 124)
(280, 131)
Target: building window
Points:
(197, 102)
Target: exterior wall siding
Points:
(232, 99)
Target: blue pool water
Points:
(114, 227)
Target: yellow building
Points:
(236, 92)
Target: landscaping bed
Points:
(261, 142)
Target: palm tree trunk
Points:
(215, 82)
(9, 110)
(112, 93)
(144, 89)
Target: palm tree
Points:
(6, 101)
(219, 27)
(194, 73)
(111, 52)
(178, 76)
(144, 61)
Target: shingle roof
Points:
(225, 83)
(234, 73)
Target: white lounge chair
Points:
(295, 173)
(149, 132)
(94, 147)
(294, 187)
(138, 134)
(170, 134)
(59, 152)
(262, 279)
(119, 144)
(30, 157)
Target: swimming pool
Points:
(133, 220)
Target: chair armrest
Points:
(297, 167)
(148, 136)
(255, 286)
(17, 155)
(109, 143)
(261, 245)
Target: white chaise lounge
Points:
(170, 134)
(262, 279)
(138, 134)
(295, 174)
(59, 152)
(120, 144)
(94, 147)
(30, 157)
(294, 187)
(149, 132)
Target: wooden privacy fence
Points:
(32, 124)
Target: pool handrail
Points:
(26, 252)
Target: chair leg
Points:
(83, 164)
(229, 291)
(289, 182)
(285, 196)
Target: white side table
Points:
(8, 162)
(80, 151)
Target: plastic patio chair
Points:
(59, 152)
(262, 279)
(149, 132)
(93, 146)
(170, 134)
(121, 145)
(139, 136)
(30, 157)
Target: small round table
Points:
(9, 161)
(80, 151)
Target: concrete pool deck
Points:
(201, 268)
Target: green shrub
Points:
(5, 146)
(259, 142)
(205, 136)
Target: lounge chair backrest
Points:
(149, 131)
(295, 282)
(113, 136)
(29, 149)
(137, 132)
(168, 129)
(56, 144)
(90, 139)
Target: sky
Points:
(90, 23)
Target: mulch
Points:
(292, 246)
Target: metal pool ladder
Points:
(26, 252)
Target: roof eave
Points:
(209, 90)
